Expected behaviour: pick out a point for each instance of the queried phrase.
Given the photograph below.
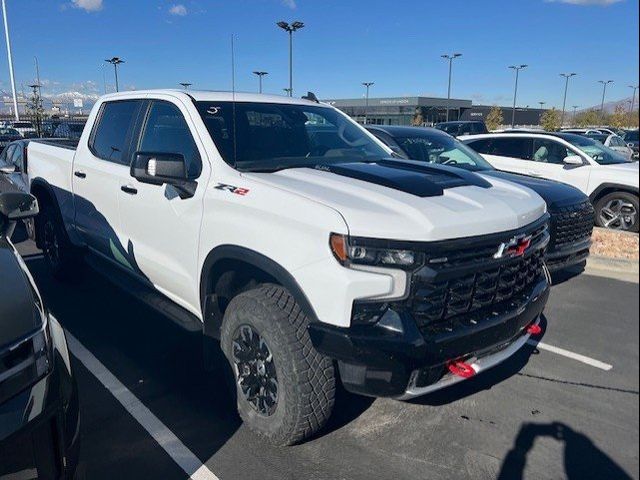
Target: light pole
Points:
(260, 75)
(450, 58)
(367, 85)
(115, 61)
(604, 92)
(517, 68)
(186, 85)
(566, 76)
(575, 112)
(290, 28)
(541, 108)
(633, 99)
(11, 75)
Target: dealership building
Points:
(426, 111)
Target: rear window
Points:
(109, 137)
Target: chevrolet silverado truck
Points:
(286, 231)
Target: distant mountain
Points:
(610, 107)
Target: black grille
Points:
(572, 224)
(434, 302)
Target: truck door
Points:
(99, 167)
(162, 229)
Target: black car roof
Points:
(403, 131)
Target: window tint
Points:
(15, 157)
(548, 151)
(510, 147)
(6, 154)
(480, 146)
(166, 131)
(113, 127)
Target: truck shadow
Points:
(582, 458)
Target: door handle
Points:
(80, 174)
(129, 189)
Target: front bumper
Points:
(561, 258)
(403, 363)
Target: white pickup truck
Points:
(285, 230)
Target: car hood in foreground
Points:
(18, 314)
(555, 194)
(373, 209)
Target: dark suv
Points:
(39, 420)
(572, 216)
(457, 129)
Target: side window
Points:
(511, 147)
(548, 151)
(480, 146)
(111, 132)
(166, 131)
(15, 157)
(5, 158)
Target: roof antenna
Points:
(233, 99)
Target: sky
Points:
(398, 45)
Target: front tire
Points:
(285, 388)
(618, 211)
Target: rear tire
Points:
(618, 211)
(285, 388)
(62, 257)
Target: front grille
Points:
(439, 302)
(572, 224)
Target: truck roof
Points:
(213, 96)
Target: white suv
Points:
(610, 181)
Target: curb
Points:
(615, 264)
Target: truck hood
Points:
(555, 194)
(374, 208)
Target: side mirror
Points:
(630, 145)
(8, 169)
(573, 160)
(15, 206)
(163, 168)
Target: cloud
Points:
(87, 5)
(178, 9)
(602, 3)
(290, 4)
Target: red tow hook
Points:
(460, 369)
(534, 330)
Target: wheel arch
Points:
(45, 195)
(607, 188)
(231, 269)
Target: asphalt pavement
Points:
(542, 415)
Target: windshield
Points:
(601, 154)
(631, 136)
(442, 149)
(9, 132)
(273, 136)
(22, 125)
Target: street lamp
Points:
(575, 112)
(290, 28)
(186, 85)
(115, 61)
(566, 76)
(604, 92)
(517, 68)
(633, 99)
(367, 85)
(450, 58)
(11, 75)
(260, 75)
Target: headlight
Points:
(360, 254)
(25, 362)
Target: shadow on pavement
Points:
(567, 274)
(582, 459)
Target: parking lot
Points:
(149, 410)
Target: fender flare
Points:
(608, 186)
(211, 315)
(40, 183)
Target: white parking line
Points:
(160, 433)
(575, 356)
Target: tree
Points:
(418, 118)
(619, 118)
(494, 118)
(550, 120)
(589, 118)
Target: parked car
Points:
(610, 181)
(572, 216)
(8, 135)
(69, 130)
(614, 142)
(26, 129)
(631, 139)
(462, 128)
(39, 427)
(282, 227)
